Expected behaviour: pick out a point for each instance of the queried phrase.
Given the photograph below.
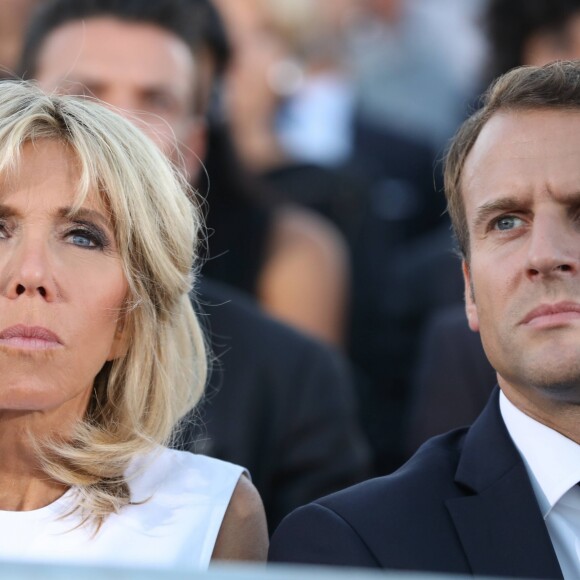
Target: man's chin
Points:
(558, 384)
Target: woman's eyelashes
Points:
(78, 233)
(87, 235)
(3, 229)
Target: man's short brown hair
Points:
(555, 85)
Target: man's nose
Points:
(121, 102)
(29, 272)
(553, 249)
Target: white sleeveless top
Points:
(185, 498)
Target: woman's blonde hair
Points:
(138, 398)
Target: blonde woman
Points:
(100, 351)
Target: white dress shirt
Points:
(553, 465)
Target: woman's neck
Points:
(24, 485)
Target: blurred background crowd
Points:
(325, 123)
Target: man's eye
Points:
(159, 101)
(508, 222)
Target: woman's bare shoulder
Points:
(244, 533)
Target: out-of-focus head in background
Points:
(14, 15)
(531, 32)
(153, 82)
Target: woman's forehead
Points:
(43, 162)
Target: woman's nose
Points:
(28, 271)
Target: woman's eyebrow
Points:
(83, 213)
(63, 212)
(6, 211)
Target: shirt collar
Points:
(552, 460)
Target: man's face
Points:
(521, 187)
(141, 70)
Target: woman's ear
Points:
(120, 344)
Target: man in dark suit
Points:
(501, 497)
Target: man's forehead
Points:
(104, 45)
(524, 144)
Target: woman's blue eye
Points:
(84, 239)
(81, 240)
(507, 223)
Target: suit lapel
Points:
(500, 525)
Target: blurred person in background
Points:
(406, 64)
(278, 403)
(295, 119)
(286, 52)
(14, 15)
(298, 261)
(283, 53)
(306, 282)
(412, 81)
(533, 32)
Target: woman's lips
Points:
(25, 337)
(552, 314)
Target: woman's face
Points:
(62, 285)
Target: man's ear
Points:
(194, 147)
(470, 306)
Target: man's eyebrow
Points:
(486, 210)
(573, 198)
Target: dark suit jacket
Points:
(462, 504)
(278, 403)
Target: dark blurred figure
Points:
(374, 182)
(452, 365)
(408, 281)
(453, 378)
(414, 64)
(278, 403)
(299, 260)
(531, 32)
